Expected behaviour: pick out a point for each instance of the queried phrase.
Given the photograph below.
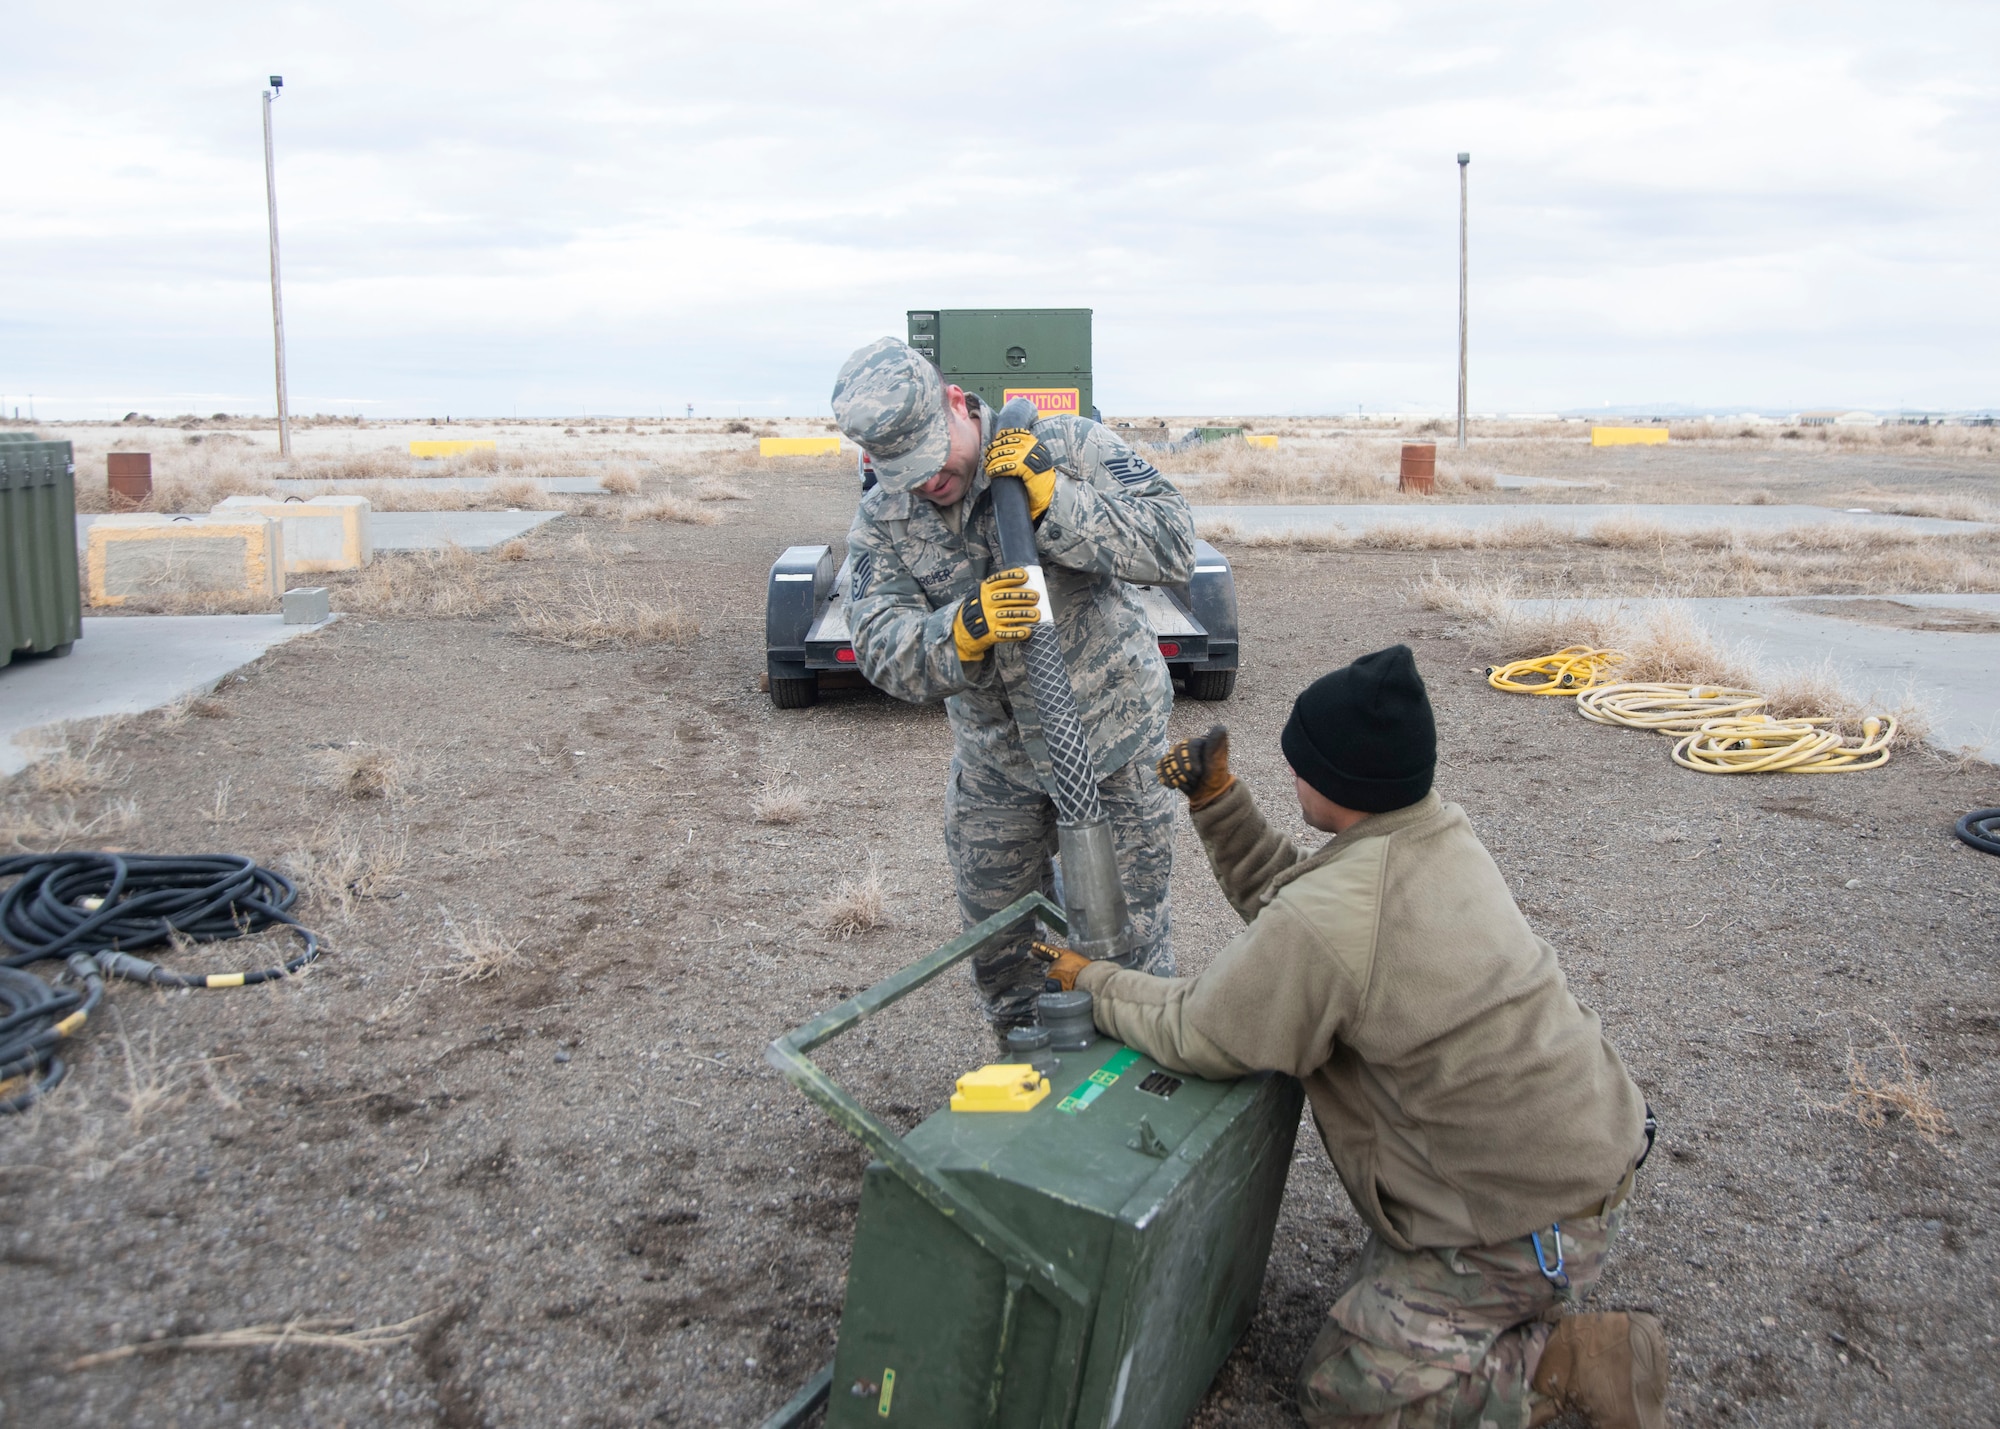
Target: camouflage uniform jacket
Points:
(1464, 1095)
(1114, 519)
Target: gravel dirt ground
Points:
(579, 1171)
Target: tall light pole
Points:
(1463, 161)
(277, 298)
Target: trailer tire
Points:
(1204, 684)
(789, 694)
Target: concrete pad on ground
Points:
(556, 485)
(424, 530)
(127, 665)
(471, 530)
(1576, 518)
(1942, 649)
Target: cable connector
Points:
(113, 964)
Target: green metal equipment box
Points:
(1088, 1262)
(41, 608)
(996, 353)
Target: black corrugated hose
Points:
(93, 909)
(1981, 829)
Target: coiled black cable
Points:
(35, 1019)
(1981, 829)
(93, 908)
(108, 903)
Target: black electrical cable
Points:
(92, 908)
(35, 1019)
(106, 904)
(1981, 829)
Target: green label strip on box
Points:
(1094, 1086)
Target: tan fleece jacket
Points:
(1464, 1095)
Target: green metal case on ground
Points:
(1088, 1262)
(41, 607)
(993, 351)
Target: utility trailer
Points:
(807, 638)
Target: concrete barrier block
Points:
(1628, 436)
(322, 533)
(307, 605)
(797, 446)
(129, 557)
(442, 449)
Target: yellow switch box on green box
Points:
(1090, 1260)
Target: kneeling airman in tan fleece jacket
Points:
(1483, 1127)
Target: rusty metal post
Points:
(277, 298)
(1463, 161)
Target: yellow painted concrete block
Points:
(322, 533)
(797, 446)
(450, 448)
(1268, 443)
(1628, 436)
(128, 557)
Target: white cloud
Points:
(531, 207)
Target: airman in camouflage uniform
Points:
(922, 542)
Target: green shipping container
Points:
(41, 609)
(1089, 1261)
(992, 351)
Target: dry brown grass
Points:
(1344, 469)
(478, 952)
(444, 583)
(342, 865)
(1664, 643)
(516, 550)
(28, 829)
(154, 1084)
(620, 481)
(718, 491)
(781, 802)
(300, 1332)
(75, 763)
(668, 508)
(366, 771)
(583, 611)
(1651, 559)
(1877, 1096)
(856, 906)
(191, 706)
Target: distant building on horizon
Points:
(1832, 418)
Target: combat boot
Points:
(1611, 1367)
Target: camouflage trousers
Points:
(1446, 1339)
(1001, 833)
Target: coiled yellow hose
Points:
(1569, 671)
(1719, 730)
(1670, 709)
(1758, 744)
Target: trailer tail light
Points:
(1169, 648)
(845, 654)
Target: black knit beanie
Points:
(1363, 736)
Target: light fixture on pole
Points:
(1463, 161)
(277, 299)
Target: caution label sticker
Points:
(1049, 401)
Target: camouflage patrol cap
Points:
(890, 403)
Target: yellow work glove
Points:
(1063, 964)
(1004, 607)
(1022, 454)
(1199, 767)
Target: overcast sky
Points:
(493, 208)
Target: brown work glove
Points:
(1063, 963)
(1199, 767)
